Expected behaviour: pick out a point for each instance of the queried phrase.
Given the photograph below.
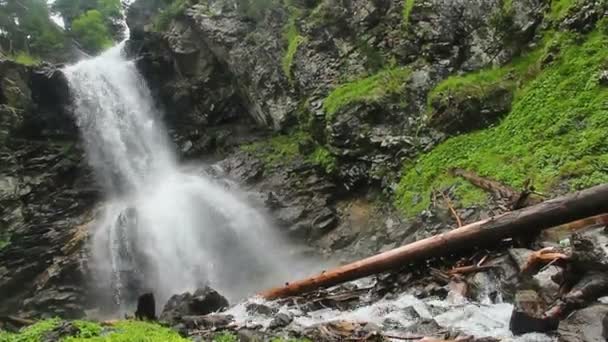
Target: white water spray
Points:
(162, 228)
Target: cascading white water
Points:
(162, 228)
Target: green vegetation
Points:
(225, 337)
(172, 9)
(284, 148)
(254, 9)
(91, 31)
(408, 6)
(559, 8)
(294, 39)
(323, 158)
(278, 149)
(33, 333)
(5, 240)
(125, 331)
(555, 133)
(25, 59)
(369, 89)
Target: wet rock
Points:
(249, 335)
(204, 301)
(589, 250)
(461, 113)
(587, 325)
(593, 285)
(280, 320)
(260, 309)
(425, 327)
(603, 78)
(549, 288)
(146, 307)
(520, 256)
(212, 321)
(64, 330)
(528, 314)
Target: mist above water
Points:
(162, 228)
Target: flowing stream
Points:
(162, 228)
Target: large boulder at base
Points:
(528, 314)
(204, 301)
(586, 325)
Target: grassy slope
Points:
(123, 331)
(555, 133)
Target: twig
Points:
(469, 269)
(403, 338)
(449, 203)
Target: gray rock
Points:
(202, 302)
(280, 320)
(587, 325)
(520, 256)
(528, 314)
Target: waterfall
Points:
(162, 228)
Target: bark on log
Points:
(582, 204)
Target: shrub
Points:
(91, 31)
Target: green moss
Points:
(323, 158)
(225, 337)
(5, 239)
(559, 8)
(294, 39)
(556, 128)
(174, 8)
(408, 6)
(25, 59)
(278, 149)
(126, 331)
(33, 333)
(369, 89)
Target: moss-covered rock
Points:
(554, 134)
(370, 89)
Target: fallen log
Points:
(516, 199)
(531, 220)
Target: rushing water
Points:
(162, 228)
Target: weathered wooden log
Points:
(530, 220)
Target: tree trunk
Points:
(582, 204)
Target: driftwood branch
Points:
(529, 220)
(517, 199)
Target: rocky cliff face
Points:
(316, 105)
(345, 84)
(46, 195)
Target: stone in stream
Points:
(204, 301)
(590, 251)
(528, 314)
(146, 307)
(587, 325)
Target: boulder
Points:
(587, 325)
(146, 307)
(528, 314)
(589, 250)
(202, 302)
